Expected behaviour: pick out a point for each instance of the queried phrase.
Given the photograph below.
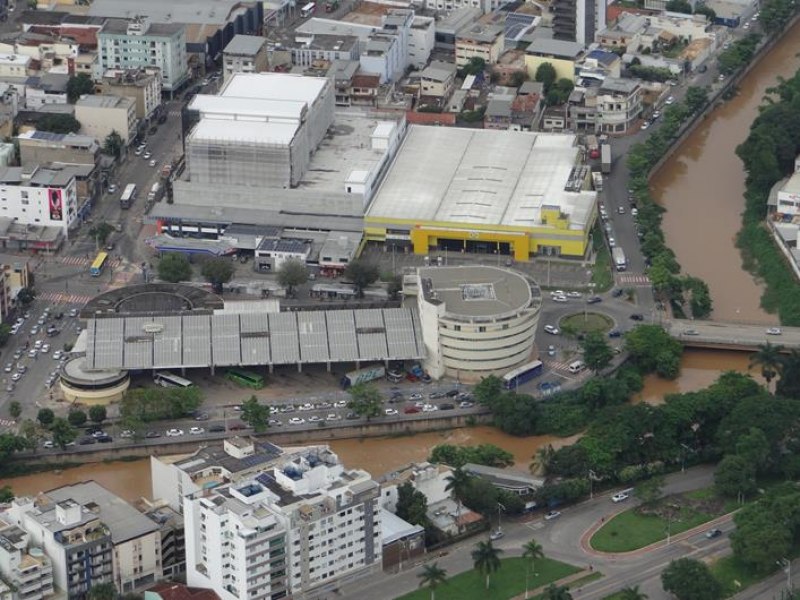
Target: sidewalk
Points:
(563, 581)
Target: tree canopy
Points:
(362, 274)
(292, 273)
(58, 123)
(79, 85)
(217, 271)
(365, 400)
(256, 415)
(689, 579)
(174, 268)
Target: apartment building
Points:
(24, 566)
(269, 522)
(92, 537)
(479, 41)
(14, 65)
(143, 86)
(100, 115)
(140, 44)
(244, 54)
(619, 104)
(39, 196)
(437, 79)
(578, 20)
(14, 275)
(422, 39)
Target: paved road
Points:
(560, 539)
(704, 333)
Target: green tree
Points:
(755, 448)
(546, 75)
(255, 414)
(702, 9)
(79, 85)
(292, 273)
(100, 232)
(632, 592)
(531, 552)
(113, 144)
(475, 66)
(482, 454)
(102, 591)
(770, 359)
(76, 417)
(14, 409)
(365, 400)
(30, 433)
(174, 268)
(652, 349)
(45, 416)
(689, 579)
(696, 98)
(432, 577)
(457, 484)
(680, 6)
(412, 505)
(540, 461)
(556, 592)
(5, 333)
(597, 353)
(488, 390)
(58, 123)
(362, 274)
(650, 490)
(6, 494)
(217, 271)
(97, 413)
(63, 433)
(486, 559)
(735, 476)
(26, 296)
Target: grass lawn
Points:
(733, 575)
(602, 277)
(631, 531)
(593, 322)
(508, 582)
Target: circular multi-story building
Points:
(84, 386)
(476, 320)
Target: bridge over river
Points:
(730, 336)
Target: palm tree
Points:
(770, 359)
(457, 483)
(632, 592)
(532, 551)
(556, 592)
(541, 460)
(486, 559)
(432, 577)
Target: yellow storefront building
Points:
(507, 193)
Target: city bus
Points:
(128, 196)
(98, 264)
(513, 379)
(308, 9)
(167, 379)
(245, 378)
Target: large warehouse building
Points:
(471, 190)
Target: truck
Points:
(362, 376)
(605, 158)
(597, 181)
(620, 262)
(155, 193)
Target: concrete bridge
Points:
(730, 336)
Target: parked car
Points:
(593, 299)
(174, 432)
(553, 514)
(637, 317)
(614, 333)
(296, 421)
(617, 292)
(410, 410)
(447, 406)
(713, 533)
(691, 332)
(496, 535)
(774, 331)
(391, 412)
(196, 430)
(551, 329)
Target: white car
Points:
(32, 353)
(147, 154)
(669, 100)
(552, 330)
(126, 433)
(196, 431)
(390, 412)
(645, 125)
(415, 397)
(38, 344)
(429, 408)
(574, 295)
(612, 242)
(558, 293)
(315, 419)
(48, 444)
(306, 406)
(559, 298)
(9, 367)
(635, 212)
(296, 421)
(620, 497)
(45, 348)
(333, 417)
(112, 189)
(16, 377)
(340, 404)
(774, 331)
(57, 355)
(621, 210)
(747, 25)
(553, 514)
(174, 432)
(153, 163)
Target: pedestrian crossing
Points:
(632, 279)
(174, 113)
(64, 298)
(82, 261)
(7, 423)
(557, 365)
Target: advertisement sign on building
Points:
(56, 204)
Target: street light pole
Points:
(499, 524)
(786, 565)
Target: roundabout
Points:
(583, 323)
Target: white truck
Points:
(618, 255)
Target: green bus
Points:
(245, 378)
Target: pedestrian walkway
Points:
(564, 581)
(64, 298)
(632, 279)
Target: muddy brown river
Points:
(702, 188)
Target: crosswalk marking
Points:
(64, 298)
(82, 261)
(557, 365)
(633, 279)
(7, 423)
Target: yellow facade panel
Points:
(565, 69)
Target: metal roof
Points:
(274, 86)
(252, 338)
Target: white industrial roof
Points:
(245, 131)
(274, 86)
(481, 177)
(247, 108)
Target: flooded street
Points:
(131, 480)
(702, 188)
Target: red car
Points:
(410, 410)
(411, 377)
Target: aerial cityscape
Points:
(399, 299)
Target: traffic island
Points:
(583, 323)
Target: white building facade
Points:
(100, 115)
(39, 196)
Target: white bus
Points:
(128, 196)
(308, 9)
(167, 379)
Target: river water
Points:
(131, 480)
(702, 188)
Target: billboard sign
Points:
(56, 204)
